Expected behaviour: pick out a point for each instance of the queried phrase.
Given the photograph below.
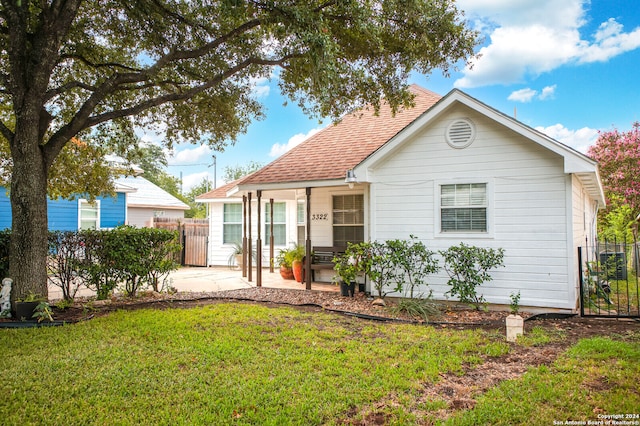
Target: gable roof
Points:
(218, 193)
(585, 168)
(149, 195)
(328, 154)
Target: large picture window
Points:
(88, 214)
(232, 224)
(463, 207)
(279, 224)
(348, 219)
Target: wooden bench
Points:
(322, 258)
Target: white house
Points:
(449, 170)
(147, 200)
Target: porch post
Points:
(271, 249)
(259, 245)
(249, 243)
(307, 263)
(244, 236)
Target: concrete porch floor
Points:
(216, 278)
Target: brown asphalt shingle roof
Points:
(329, 153)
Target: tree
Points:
(79, 68)
(198, 210)
(232, 173)
(618, 155)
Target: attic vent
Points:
(461, 133)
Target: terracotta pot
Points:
(286, 273)
(298, 270)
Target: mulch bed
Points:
(453, 316)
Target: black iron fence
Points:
(609, 273)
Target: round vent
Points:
(460, 133)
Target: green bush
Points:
(66, 253)
(467, 267)
(98, 268)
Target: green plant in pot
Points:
(346, 268)
(284, 259)
(297, 254)
(26, 307)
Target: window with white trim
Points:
(232, 223)
(463, 207)
(279, 224)
(302, 222)
(348, 219)
(88, 214)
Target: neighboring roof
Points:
(328, 154)
(218, 193)
(149, 195)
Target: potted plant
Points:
(284, 259)
(297, 254)
(346, 268)
(514, 322)
(235, 258)
(26, 307)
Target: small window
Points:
(232, 224)
(88, 214)
(279, 224)
(463, 208)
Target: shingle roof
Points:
(329, 153)
(149, 195)
(220, 192)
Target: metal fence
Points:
(609, 279)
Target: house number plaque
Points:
(320, 216)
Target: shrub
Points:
(98, 267)
(414, 262)
(66, 253)
(467, 267)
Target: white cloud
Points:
(201, 153)
(547, 92)
(530, 37)
(295, 140)
(261, 87)
(528, 94)
(191, 180)
(522, 95)
(579, 140)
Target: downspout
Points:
(259, 244)
(307, 262)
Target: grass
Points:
(244, 364)
(596, 376)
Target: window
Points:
(88, 214)
(348, 219)
(463, 208)
(302, 214)
(232, 224)
(279, 224)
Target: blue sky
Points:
(569, 68)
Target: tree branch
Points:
(66, 87)
(6, 132)
(98, 65)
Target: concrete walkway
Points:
(216, 278)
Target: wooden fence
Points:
(194, 235)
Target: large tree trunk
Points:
(28, 255)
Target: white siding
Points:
(143, 217)
(527, 216)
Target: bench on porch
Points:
(322, 258)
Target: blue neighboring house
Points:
(79, 213)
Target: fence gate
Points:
(194, 235)
(609, 280)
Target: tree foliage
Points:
(85, 68)
(618, 155)
(232, 173)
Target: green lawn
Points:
(248, 364)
